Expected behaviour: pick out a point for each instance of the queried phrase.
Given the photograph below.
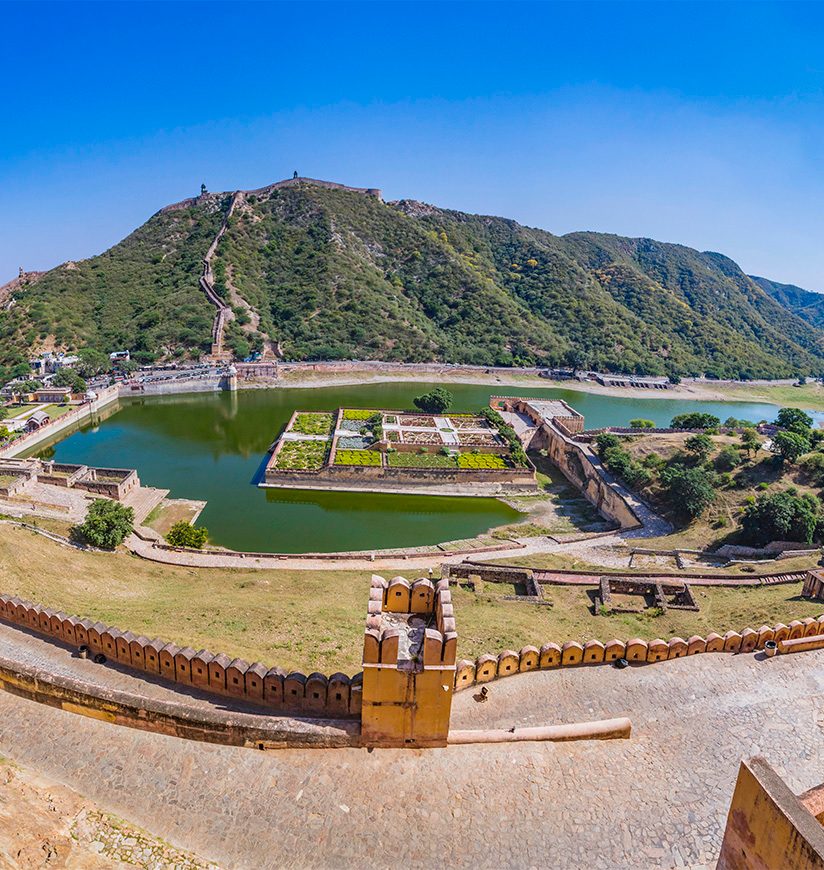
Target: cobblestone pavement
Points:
(656, 800)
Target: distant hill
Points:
(806, 304)
(324, 272)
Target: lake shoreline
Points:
(808, 397)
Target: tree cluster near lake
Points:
(333, 274)
(730, 481)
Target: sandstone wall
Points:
(335, 696)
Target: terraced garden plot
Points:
(370, 458)
(425, 422)
(481, 461)
(477, 439)
(313, 424)
(358, 414)
(421, 460)
(421, 438)
(302, 455)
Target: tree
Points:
(641, 423)
(700, 445)
(695, 420)
(750, 441)
(434, 402)
(106, 525)
(790, 445)
(67, 377)
(92, 362)
(781, 516)
(794, 420)
(689, 489)
(4, 412)
(184, 534)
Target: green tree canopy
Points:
(781, 516)
(695, 420)
(689, 489)
(794, 420)
(436, 401)
(67, 377)
(106, 525)
(642, 423)
(790, 445)
(184, 534)
(699, 445)
(92, 362)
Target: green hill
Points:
(317, 272)
(807, 305)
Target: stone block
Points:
(337, 695)
(508, 663)
(550, 655)
(749, 640)
(732, 642)
(695, 645)
(765, 633)
(572, 653)
(273, 687)
(315, 692)
(637, 650)
(677, 648)
(715, 643)
(294, 687)
(486, 668)
(796, 629)
(236, 677)
(614, 649)
(464, 674)
(781, 632)
(657, 650)
(594, 652)
(528, 659)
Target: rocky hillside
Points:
(317, 272)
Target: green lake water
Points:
(212, 446)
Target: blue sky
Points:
(698, 123)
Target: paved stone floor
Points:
(656, 800)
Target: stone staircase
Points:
(143, 500)
(207, 284)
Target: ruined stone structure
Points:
(409, 651)
(114, 483)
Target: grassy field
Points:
(313, 620)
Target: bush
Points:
(641, 423)
(606, 441)
(813, 466)
(435, 401)
(184, 534)
(699, 445)
(727, 459)
(106, 525)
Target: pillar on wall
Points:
(408, 663)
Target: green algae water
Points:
(212, 446)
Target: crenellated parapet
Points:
(409, 650)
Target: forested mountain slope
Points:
(806, 304)
(318, 272)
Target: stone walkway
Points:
(657, 800)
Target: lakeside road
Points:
(809, 396)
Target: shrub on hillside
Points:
(790, 445)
